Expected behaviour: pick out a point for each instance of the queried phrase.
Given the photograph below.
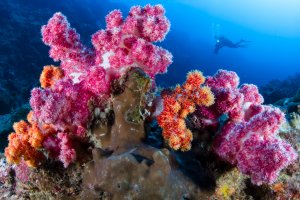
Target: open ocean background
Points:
(272, 26)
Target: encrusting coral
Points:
(230, 186)
(178, 104)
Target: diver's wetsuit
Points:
(224, 42)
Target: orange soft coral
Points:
(50, 75)
(178, 105)
(19, 148)
(25, 142)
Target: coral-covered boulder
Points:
(140, 173)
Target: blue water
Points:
(273, 54)
(273, 28)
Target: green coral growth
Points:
(143, 82)
(138, 113)
(134, 115)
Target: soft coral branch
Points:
(178, 104)
(249, 137)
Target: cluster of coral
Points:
(62, 109)
(92, 132)
(178, 105)
(249, 137)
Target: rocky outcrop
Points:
(125, 167)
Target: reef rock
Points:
(125, 167)
(140, 173)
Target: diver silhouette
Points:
(224, 42)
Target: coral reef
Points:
(277, 90)
(287, 185)
(290, 104)
(83, 81)
(53, 180)
(124, 158)
(7, 180)
(21, 51)
(93, 131)
(249, 137)
(50, 181)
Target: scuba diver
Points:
(222, 41)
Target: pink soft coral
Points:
(127, 42)
(87, 73)
(67, 152)
(230, 99)
(124, 43)
(249, 138)
(66, 45)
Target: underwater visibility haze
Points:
(149, 99)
